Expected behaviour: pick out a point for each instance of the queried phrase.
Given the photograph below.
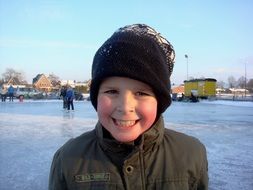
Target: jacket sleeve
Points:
(56, 177)
(203, 181)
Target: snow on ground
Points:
(230, 103)
(31, 131)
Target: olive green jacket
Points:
(159, 159)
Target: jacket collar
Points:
(147, 141)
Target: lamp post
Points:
(186, 56)
(245, 84)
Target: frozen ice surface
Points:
(31, 131)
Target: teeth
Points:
(125, 123)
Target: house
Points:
(68, 83)
(42, 83)
(14, 82)
(75, 84)
(177, 92)
(178, 89)
(202, 88)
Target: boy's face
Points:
(126, 107)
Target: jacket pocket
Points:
(95, 186)
(169, 184)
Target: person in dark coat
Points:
(11, 92)
(63, 95)
(130, 148)
(3, 93)
(70, 98)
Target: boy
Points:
(130, 148)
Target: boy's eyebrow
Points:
(136, 88)
(108, 87)
(144, 88)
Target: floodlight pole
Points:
(186, 56)
(245, 84)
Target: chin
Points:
(125, 139)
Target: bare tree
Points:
(241, 82)
(55, 80)
(231, 82)
(250, 85)
(1, 81)
(12, 73)
(220, 84)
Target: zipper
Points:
(142, 166)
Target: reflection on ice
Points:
(31, 132)
(28, 143)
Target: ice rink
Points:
(31, 131)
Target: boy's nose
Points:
(126, 103)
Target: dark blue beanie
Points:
(137, 52)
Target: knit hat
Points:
(137, 52)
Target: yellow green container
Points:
(202, 88)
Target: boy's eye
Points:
(142, 94)
(111, 91)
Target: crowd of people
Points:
(7, 92)
(67, 94)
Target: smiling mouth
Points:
(124, 123)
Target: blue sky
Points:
(61, 37)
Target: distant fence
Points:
(235, 97)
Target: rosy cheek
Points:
(149, 111)
(103, 103)
(151, 114)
